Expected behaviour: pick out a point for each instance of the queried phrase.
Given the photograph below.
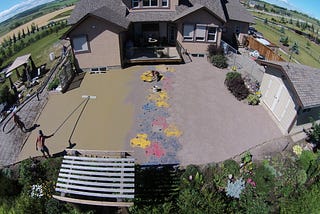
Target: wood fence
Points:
(263, 50)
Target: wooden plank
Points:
(94, 189)
(92, 178)
(100, 159)
(103, 195)
(90, 163)
(92, 202)
(113, 169)
(106, 174)
(90, 183)
(99, 152)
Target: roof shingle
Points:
(305, 80)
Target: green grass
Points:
(308, 56)
(40, 51)
(62, 15)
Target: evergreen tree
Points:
(23, 33)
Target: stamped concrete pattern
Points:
(212, 124)
(216, 126)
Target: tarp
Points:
(18, 62)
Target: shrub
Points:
(264, 180)
(306, 159)
(232, 75)
(234, 189)
(237, 87)
(253, 99)
(219, 61)
(7, 96)
(214, 50)
(54, 84)
(231, 167)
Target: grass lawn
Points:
(308, 55)
(39, 51)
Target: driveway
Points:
(215, 125)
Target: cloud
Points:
(18, 8)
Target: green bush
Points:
(231, 167)
(253, 99)
(9, 187)
(237, 87)
(214, 50)
(306, 159)
(7, 96)
(54, 84)
(232, 75)
(219, 61)
(264, 180)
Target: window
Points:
(80, 44)
(188, 32)
(164, 3)
(150, 3)
(212, 31)
(135, 3)
(200, 32)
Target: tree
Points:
(284, 40)
(298, 24)
(290, 21)
(23, 33)
(295, 48)
(282, 30)
(265, 21)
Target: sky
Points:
(9, 8)
(310, 7)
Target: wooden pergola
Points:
(99, 178)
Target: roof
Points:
(84, 7)
(149, 16)
(115, 11)
(189, 11)
(111, 16)
(235, 11)
(18, 62)
(305, 81)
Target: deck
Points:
(137, 55)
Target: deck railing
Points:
(183, 53)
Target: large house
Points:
(110, 33)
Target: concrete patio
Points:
(216, 126)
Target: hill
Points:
(31, 14)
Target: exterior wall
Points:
(278, 98)
(236, 27)
(103, 42)
(303, 119)
(198, 17)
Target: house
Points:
(291, 92)
(110, 33)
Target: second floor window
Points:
(164, 3)
(150, 3)
(135, 3)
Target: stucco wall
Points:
(198, 17)
(103, 41)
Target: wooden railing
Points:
(183, 53)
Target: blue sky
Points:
(9, 8)
(310, 7)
